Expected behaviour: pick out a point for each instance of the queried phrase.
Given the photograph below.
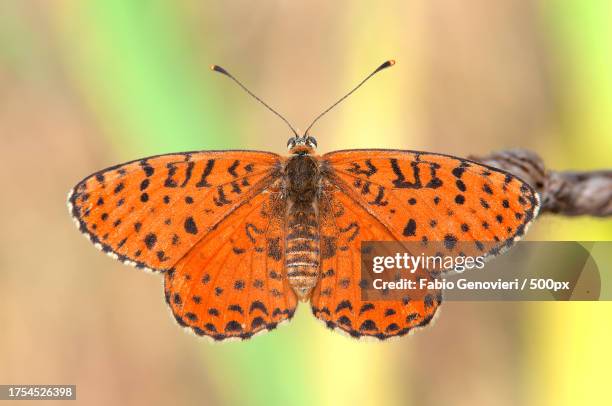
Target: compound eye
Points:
(290, 143)
(312, 141)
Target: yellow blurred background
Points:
(87, 84)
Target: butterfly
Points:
(242, 236)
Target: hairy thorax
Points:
(302, 180)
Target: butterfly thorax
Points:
(302, 178)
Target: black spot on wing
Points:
(450, 241)
(257, 322)
(150, 240)
(257, 305)
(232, 169)
(233, 326)
(250, 229)
(188, 172)
(458, 171)
(345, 304)
(146, 167)
(274, 248)
(328, 247)
(410, 229)
(366, 307)
(379, 199)
(205, 173)
(368, 325)
(190, 225)
(221, 199)
(354, 226)
(357, 169)
(345, 321)
(235, 308)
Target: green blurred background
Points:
(86, 84)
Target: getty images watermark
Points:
(474, 271)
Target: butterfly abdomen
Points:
(302, 238)
(302, 249)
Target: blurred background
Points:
(90, 83)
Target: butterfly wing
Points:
(232, 284)
(410, 196)
(151, 212)
(420, 195)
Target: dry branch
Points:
(567, 193)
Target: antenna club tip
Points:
(385, 65)
(219, 69)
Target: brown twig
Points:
(566, 193)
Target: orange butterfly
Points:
(241, 236)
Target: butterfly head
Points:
(302, 145)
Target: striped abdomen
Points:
(302, 249)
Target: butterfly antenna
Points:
(385, 65)
(219, 69)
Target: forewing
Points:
(425, 196)
(150, 212)
(232, 283)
